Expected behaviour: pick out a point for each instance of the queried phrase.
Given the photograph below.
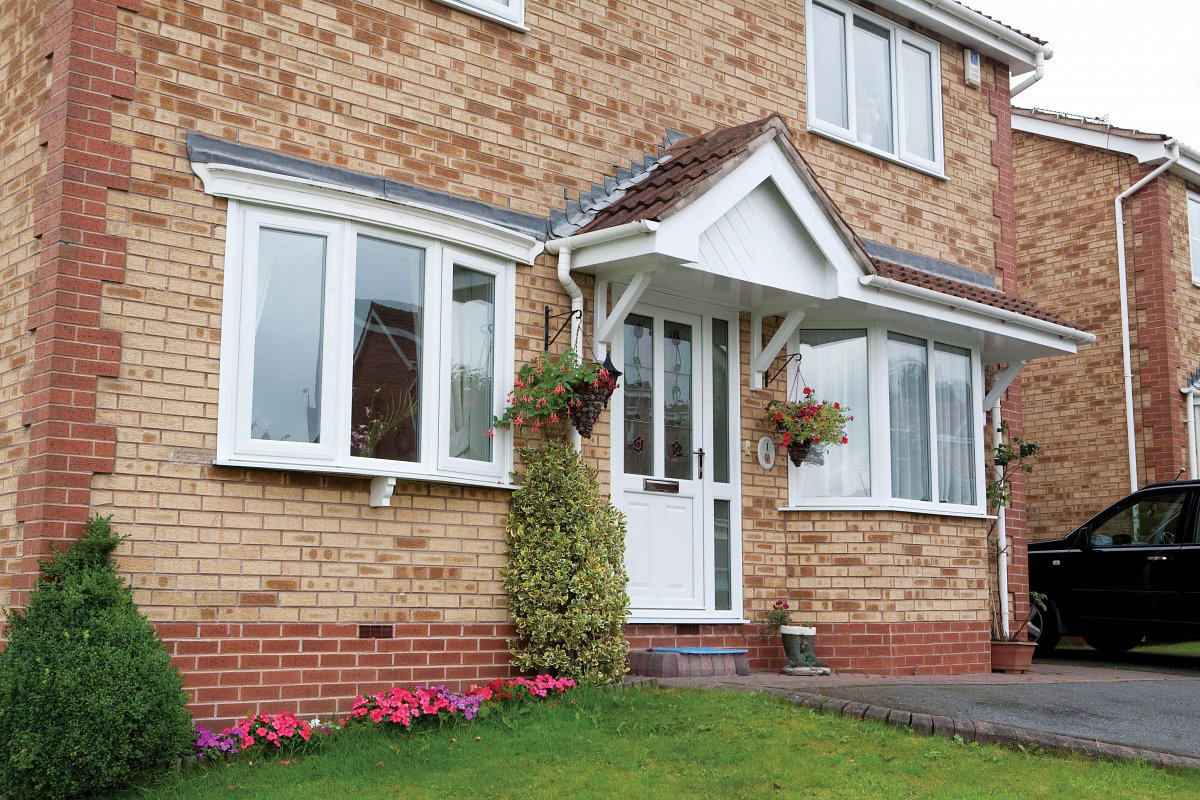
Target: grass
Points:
(1172, 648)
(664, 744)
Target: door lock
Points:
(700, 453)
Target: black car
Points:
(1132, 570)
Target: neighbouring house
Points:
(239, 234)
(1124, 412)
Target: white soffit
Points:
(1146, 151)
(969, 27)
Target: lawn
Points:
(668, 744)
(1172, 648)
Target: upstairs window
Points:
(874, 84)
(510, 13)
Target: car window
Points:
(1152, 519)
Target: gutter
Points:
(1000, 314)
(1172, 147)
(563, 248)
(1040, 58)
(972, 17)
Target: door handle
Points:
(700, 453)
(1156, 558)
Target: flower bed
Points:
(404, 707)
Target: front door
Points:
(668, 446)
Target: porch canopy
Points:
(736, 217)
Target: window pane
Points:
(472, 364)
(639, 395)
(908, 407)
(1152, 520)
(828, 41)
(720, 445)
(872, 85)
(288, 334)
(1194, 235)
(955, 425)
(916, 98)
(385, 420)
(834, 365)
(722, 569)
(677, 399)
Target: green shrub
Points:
(88, 695)
(566, 574)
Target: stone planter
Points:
(1012, 656)
(798, 646)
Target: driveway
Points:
(1144, 702)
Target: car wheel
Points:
(1043, 628)
(1114, 640)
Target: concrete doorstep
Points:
(985, 732)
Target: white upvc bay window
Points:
(914, 442)
(355, 348)
(874, 84)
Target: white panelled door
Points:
(679, 525)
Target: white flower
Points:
(316, 722)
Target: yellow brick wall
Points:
(1067, 256)
(24, 79)
(416, 92)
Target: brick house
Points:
(1069, 173)
(224, 219)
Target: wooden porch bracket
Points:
(1000, 384)
(761, 357)
(607, 323)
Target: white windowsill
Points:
(886, 156)
(668, 620)
(488, 15)
(481, 481)
(900, 507)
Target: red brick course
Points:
(78, 255)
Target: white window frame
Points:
(333, 453)
(898, 36)
(510, 16)
(879, 415)
(1193, 201)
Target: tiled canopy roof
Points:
(682, 166)
(967, 291)
(691, 165)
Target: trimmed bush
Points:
(88, 695)
(566, 574)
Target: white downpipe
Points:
(1040, 58)
(563, 248)
(1172, 147)
(576, 295)
(1001, 533)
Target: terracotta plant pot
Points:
(798, 451)
(1012, 656)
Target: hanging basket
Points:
(592, 400)
(798, 451)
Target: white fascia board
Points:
(301, 194)
(897, 296)
(971, 28)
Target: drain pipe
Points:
(1040, 58)
(1172, 147)
(563, 248)
(1001, 532)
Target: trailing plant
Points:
(566, 574)
(1014, 456)
(88, 695)
(808, 423)
(554, 388)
